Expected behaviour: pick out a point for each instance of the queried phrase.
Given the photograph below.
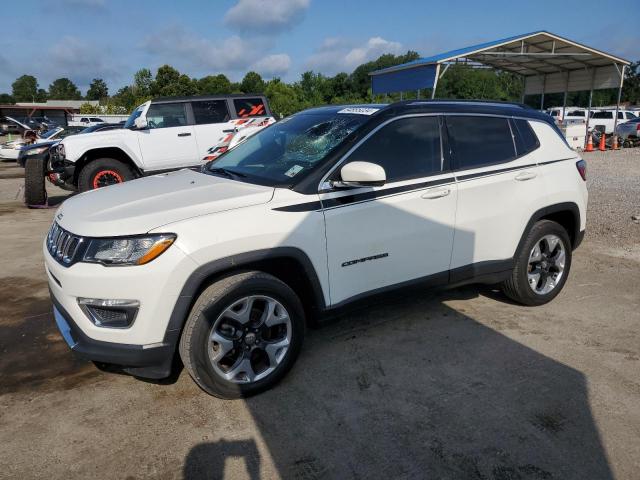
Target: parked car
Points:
(86, 121)
(9, 125)
(604, 120)
(327, 207)
(574, 114)
(44, 142)
(629, 132)
(160, 135)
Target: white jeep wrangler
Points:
(327, 207)
(160, 135)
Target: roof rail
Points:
(436, 101)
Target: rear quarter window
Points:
(525, 137)
(249, 107)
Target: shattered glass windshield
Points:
(284, 151)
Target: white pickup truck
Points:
(160, 135)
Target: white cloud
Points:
(266, 16)
(275, 65)
(339, 55)
(80, 61)
(177, 46)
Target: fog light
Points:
(109, 313)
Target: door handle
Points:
(185, 134)
(436, 193)
(521, 177)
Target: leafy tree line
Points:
(311, 89)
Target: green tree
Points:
(631, 88)
(6, 99)
(169, 82)
(126, 98)
(283, 98)
(98, 90)
(25, 89)
(252, 83)
(64, 89)
(142, 81)
(214, 85)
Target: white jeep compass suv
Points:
(226, 266)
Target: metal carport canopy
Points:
(549, 63)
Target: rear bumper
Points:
(149, 361)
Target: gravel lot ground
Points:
(458, 384)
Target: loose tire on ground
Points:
(517, 286)
(195, 342)
(35, 192)
(103, 172)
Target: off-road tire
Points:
(516, 287)
(194, 340)
(35, 192)
(100, 167)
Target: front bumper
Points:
(145, 348)
(139, 360)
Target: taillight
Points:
(582, 169)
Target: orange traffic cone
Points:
(602, 147)
(589, 144)
(614, 143)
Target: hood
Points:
(141, 205)
(20, 124)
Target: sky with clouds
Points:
(111, 39)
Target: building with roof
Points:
(60, 111)
(548, 63)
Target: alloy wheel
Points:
(249, 339)
(546, 264)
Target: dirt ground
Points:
(458, 384)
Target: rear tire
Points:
(540, 271)
(243, 335)
(35, 192)
(103, 172)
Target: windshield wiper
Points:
(227, 173)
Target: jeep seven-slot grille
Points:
(63, 245)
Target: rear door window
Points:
(210, 111)
(406, 148)
(249, 107)
(477, 141)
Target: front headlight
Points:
(127, 251)
(36, 151)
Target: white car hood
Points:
(141, 205)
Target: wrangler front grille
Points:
(63, 245)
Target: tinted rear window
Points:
(210, 111)
(249, 107)
(526, 140)
(478, 141)
(602, 115)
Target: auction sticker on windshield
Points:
(293, 171)
(359, 110)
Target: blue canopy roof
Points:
(530, 54)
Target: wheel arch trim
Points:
(570, 207)
(238, 262)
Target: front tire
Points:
(103, 172)
(35, 192)
(541, 266)
(243, 335)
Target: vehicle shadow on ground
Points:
(416, 389)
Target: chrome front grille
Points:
(63, 245)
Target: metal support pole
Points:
(593, 81)
(524, 86)
(418, 94)
(615, 121)
(400, 96)
(564, 101)
(435, 82)
(544, 85)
